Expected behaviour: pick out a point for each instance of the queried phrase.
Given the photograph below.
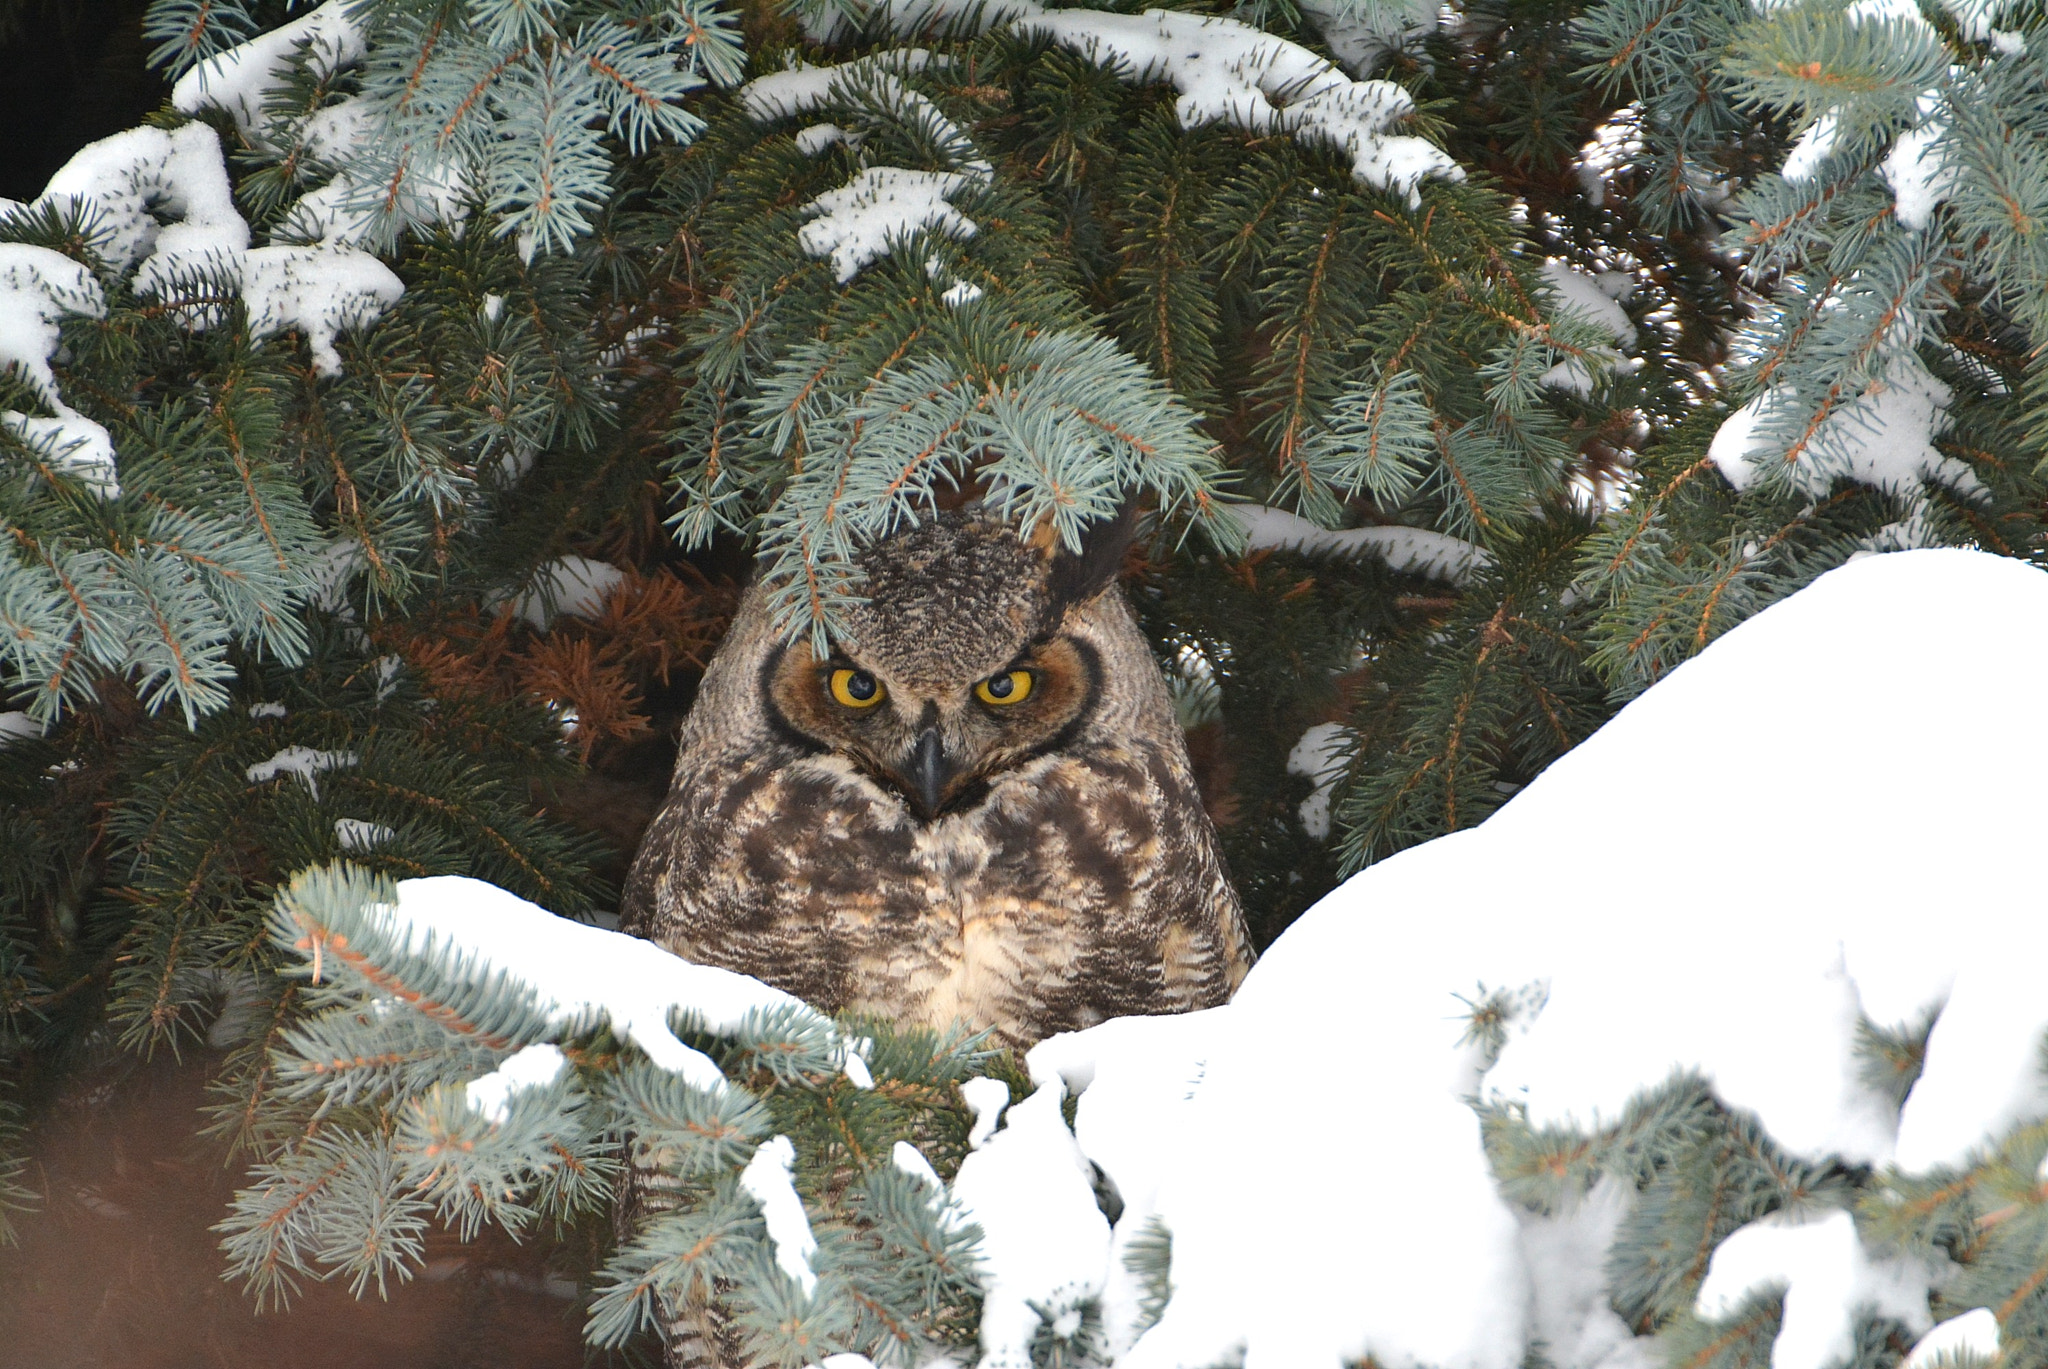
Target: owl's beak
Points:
(929, 772)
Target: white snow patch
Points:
(803, 87)
(72, 443)
(131, 179)
(1826, 1276)
(860, 221)
(960, 292)
(38, 289)
(1812, 147)
(530, 1067)
(1045, 1244)
(1566, 1253)
(16, 726)
(767, 1179)
(1884, 438)
(864, 81)
(816, 138)
(303, 761)
(575, 585)
(241, 79)
(1973, 1333)
(1137, 1078)
(266, 710)
(909, 1159)
(1918, 169)
(1359, 33)
(986, 1098)
(359, 834)
(1232, 73)
(1225, 72)
(580, 973)
(320, 291)
(1416, 550)
(1591, 298)
(1319, 757)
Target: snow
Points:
(1416, 550)
(38, 289)
(575, 585)
(302, 761)
(767, 1180)
(1586, 295)
(1566, 1255)
(1233, 73)
(1360, 31)
(1827, 1277)
(1811, 148)
(530, 1067)
(1319, 757)
(1591, 299)
(579, 973)
(875, 79)
(1973, 1333)
(73, 443)
(1918, 169)
(134, 181)
(1884, 438)
(1224, 72)
(1045, 1244)
(910, 1160)
(266, 710)
(358, 834)
(17, 726)
(986, 1098)
(802, 87)
(813, 140)
(1137, 1078)
(1926, 650)
(319, 290)
(860, 221)
(242, 78)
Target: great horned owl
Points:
(978, 809)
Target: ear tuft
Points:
(1075, 577)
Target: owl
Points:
(975, 808)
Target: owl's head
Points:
(960, 664)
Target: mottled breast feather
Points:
(1082, 882)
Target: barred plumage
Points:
(996, 824)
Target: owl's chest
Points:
(1082, 886)
(1059, 838)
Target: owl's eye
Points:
(1010, 687)
(856, 688)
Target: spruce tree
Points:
(389, 421)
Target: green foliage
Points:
(615, 341)
(388, 1143)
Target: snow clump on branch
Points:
(1225, 71)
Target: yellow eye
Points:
(856, 688)
(1011, 687)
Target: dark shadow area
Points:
(71, 71)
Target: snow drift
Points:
(1768, 842)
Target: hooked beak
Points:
(929, 771)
